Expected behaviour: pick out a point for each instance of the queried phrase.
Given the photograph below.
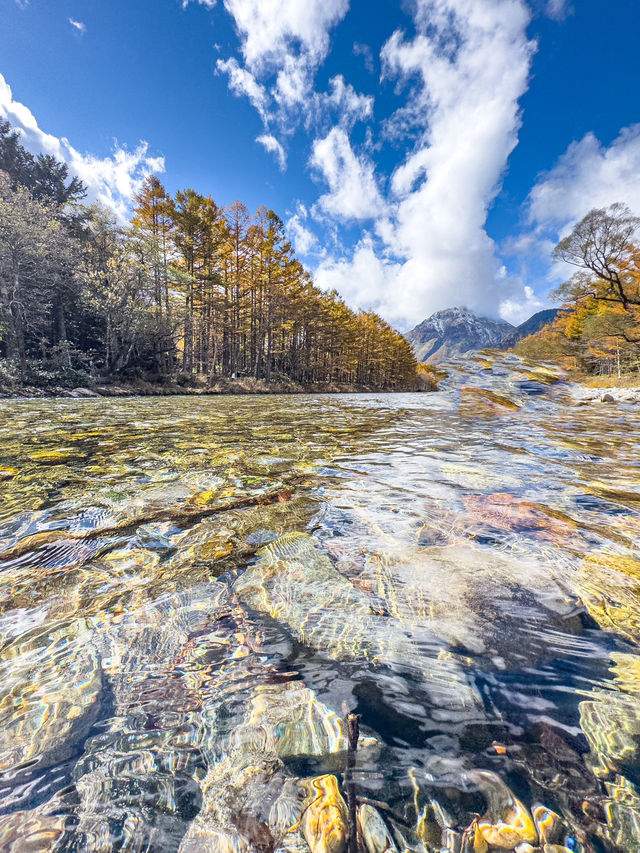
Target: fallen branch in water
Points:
(353, 734)
(385, 807)
(175, 514)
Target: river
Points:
(196, 591)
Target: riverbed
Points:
(197, 592)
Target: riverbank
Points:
(141, 388)
(585, 395)
(606, 389)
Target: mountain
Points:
(455, 331)
(530, 326)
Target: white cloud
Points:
(557, 9)
(350, 106)
(242, 82)
(283, 43)
(288, 39)
(588, 175)
(273, 29)
(112, 181)
(365, 279)
(366, 53)
(520, 306)
(272, 145)
(302, 238)
(353, 191)
(464, 73)
(78, 26)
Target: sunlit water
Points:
(195, 591)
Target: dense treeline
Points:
(188, 290)
(598, 330)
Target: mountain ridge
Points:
(455, 331)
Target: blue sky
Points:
(422, 154)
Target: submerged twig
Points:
(175, 514)
(353, 734)
(385, 807)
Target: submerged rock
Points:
(51, 683)
(34, 830)
(135, 780)
(609, 586)
(295, 582)
(325, 820)
(375, 833)
(480, 402)
(507, 822)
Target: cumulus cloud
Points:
(271, 30)
(286, 40)
(463, 74)
(242, 82)
(272, 145)
(521, 306)
(345, 103)
(588, 175)
(282, 45)
(112, 181)
(365, 278)
(78, 26)
(353, 191)
(302, 238)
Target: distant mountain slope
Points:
(453, 332)
(530, 326)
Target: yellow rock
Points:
(8, 473)
(325, 821)
(547, 823)
(482, 402)
(52, 455)
(516, 828)
(216, 550)
(479, 843)
(626, 671)
(609, 587)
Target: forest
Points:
(187, 292)
(597, 332)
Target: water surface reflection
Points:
(195, 590)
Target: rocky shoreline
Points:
(145, 389)
(584, 395)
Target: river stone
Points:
(296, 583)
(79, 393)
(481, 402)
(34, 830)
(136, 777)
(51, 687)
(250, 800)
(609, 585)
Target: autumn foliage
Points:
(188, 291)
(598, 330)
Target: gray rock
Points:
(607, 398)
(83, 392)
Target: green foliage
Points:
(45, 177)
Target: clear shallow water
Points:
(195, 590)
